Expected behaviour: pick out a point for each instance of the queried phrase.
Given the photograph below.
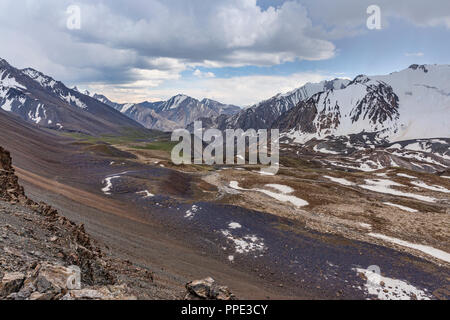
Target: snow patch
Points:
(235, 185)
(190, 214)
(385, 288)
(405, 176)
(384, 186)
(247, 244)
(401, 207)
(432, 188)
(339, 180)
(126, 107)
(365, 225)
(436, 253)
(282, 188)
(9, 82)
(145, 194)
(323, 150)
(107, 189)
(264, 173)
(74, 101)
(279, 196)
(234, 225)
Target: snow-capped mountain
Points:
(175, 113)
(226, 109)
(145, 114)
(184, 110)
(263, 114)
(410, 104)
(38, 98)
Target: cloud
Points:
(201, 74)
(240, 90)
(119, 36)
(220, 32)
(414, 54)
(344, 18)
(146, 44)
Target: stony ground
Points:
(190, 222)
(38, 246)
(395, 202)
(29, 240)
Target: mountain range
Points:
(48, 103)
(265, 113)
(410, 104)
(175, 113)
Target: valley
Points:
(251, 236)
(351, 196)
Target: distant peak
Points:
(3, 62)
(32, 73)
(419, 67)
(209, 101)
(179, 98)
(30, 70)
(362, 78)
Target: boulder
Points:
(83, 294)
(53, 279)
(208, 289)
(102, 293)
(11, 283)
(37, 296)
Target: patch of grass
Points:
(128, 135)
(295, 162)
(81, 143)
(109, 151)
(157, 145)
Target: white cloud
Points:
(243, 90)
(344, 18)
(156, 34)
(201, 74)
(141, 46)
(414, 54)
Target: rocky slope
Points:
(39, 249)
(45, 256)
(41, 100)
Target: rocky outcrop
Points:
(50, 281)
(10, 190)
(207, 289)
(11, 282)
(40, 249)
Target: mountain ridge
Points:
(408, 104)
(39, 99)
(174, 113)
(263, 114)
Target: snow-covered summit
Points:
(409, 104)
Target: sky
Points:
(234, 51)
